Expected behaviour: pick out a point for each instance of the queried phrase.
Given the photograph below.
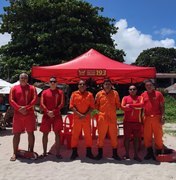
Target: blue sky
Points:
(148, 16)
(143, 24)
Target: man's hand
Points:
(163, 120)
(81, 116)
(50, 114)
(23, 110)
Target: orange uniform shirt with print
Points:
(152, 103)
(81, 101)
(107, 104)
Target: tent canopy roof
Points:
(95, 65)
(4, 83)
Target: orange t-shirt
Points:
(152, 103)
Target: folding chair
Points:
(94, 122)
(66, 133)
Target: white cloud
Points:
(4, 38)
(133, 42)
(165, 31)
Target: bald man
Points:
(23, 98)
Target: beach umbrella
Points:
(6, 90)
(4, 83)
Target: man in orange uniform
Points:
(107, 102)
(153, 119)
(52, 100)
(132, 106)
(81, 103)
(23, 98)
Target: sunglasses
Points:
(132, 89)
(52, 81)
(82, 84)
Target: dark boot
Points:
(168, 151)
(158, 152)
(74, 154)
(115, 155)
(89, 153)
(150, 154)
(100, 154)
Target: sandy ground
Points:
(83, 169)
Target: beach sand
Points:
(51, 168)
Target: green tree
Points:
(47, 32)
(163, 59)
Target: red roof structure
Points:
(95, 65)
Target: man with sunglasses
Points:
(52, 101)
(107, 101)
(82, 104)
(153, 119)
(132, 107)
(23, 98)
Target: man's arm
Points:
(61, 105)
(12, 101)
(34, 99)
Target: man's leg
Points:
(102, 131)
(113, 136)
(158, 135)
(136, 147)
(31, 141)
(45, 142)
(57, 141)
(88, 139)
(77, 128)
(16, 141)
(127, 146)
(148, 138)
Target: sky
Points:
(143, 24)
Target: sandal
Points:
(13, 158)
(43, 156)
(126, 157)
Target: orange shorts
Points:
(132, 128)
(22, 123)
(56, 124)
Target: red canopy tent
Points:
(95, 65)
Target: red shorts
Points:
(132, 128)
(56, 124)
(22, 123)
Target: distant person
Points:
(82, 104)
(1, 99)
(8, 117)
(132, 107)
(107, 101)
(153, 119)
(23, 98)
(52, 101)
(1, 104)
